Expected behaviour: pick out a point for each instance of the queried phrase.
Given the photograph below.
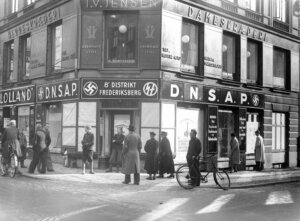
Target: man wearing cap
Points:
(151, 148)
(87, 149)
(131, 156)
(194, 150)
(259, 151)
(166, 163)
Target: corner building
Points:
(162, 65)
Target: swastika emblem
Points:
(255, 100)
(90, 88)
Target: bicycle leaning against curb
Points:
(184, 178)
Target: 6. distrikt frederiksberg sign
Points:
(118, 89)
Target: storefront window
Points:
(55, 121)
(121, 39)
(280, 62)
(226, 127)
(168, 122)
(69, 124)
(189, 47)
(86, 116)
(278, 131)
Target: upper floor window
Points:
(9, 61)
(13, 5)
(55, 47)
(25, 52)
(230, 49)
(30, 2)
(252, 5)
(280, 10)
(190, 43)
(281, 68)
(254, 56)
(121, 39)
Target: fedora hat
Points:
(131, 128)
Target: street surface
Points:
(25, 199)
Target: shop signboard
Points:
(212, 129)
(58, 91)
(232, 97)
(95, 88)
(21, 95)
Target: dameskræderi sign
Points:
(58, 91)
(20, 95)
(119, 89)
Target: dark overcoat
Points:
(10, 139)
(166, 163)
(131, 154)
(87, 141)
(151, 149)
(235, 151)
(194, 149)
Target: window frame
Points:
(259, 62)
(199, 69)
(8, 61)
(257, 5)
(106, 36)
(236, 59)
(282, 131)
(22, 57)
(51, 51)
(287, 74)
(281, 17)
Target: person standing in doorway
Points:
(234, 153)
(87, 149)
(116, 154)
(259, 151)
(151, 149)
(193, 152)
(131, 156)
(166, 163)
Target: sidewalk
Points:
(242, 179)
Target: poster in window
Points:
(242, 129)
(212, 137)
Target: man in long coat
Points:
(131, 156)
(259, 151)
(194, 150)
(234, 153)
(166, 163)
(10, 142)
(39, 147)
(151, 149)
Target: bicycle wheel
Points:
(222, 179)
(13, 166)
(183, 177)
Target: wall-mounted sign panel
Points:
(18, 96)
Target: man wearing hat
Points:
(131, 156)
(193, 151)
(259, 151)
(166, 163)
(151, 148)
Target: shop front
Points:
(19, 104)
(215, 113)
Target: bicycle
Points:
(184, 178)
(9, 166)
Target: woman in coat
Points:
(151, 156)
(166, 163)
(131, 156)
(235, 153)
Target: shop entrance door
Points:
(120, 121)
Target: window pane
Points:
(283, 137)
(55, 118)
(121, 43)
(168, 115)
(226, 127)
(10, 64)
(251, 4)
(273, 137)
(58, 47)
(252, 61)
(278, 137)
(69, 114)
(280, 62)
(27, 56)
(150, 115)
(69, 136)
(229, 55)
(87, 114)
(189, 47)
